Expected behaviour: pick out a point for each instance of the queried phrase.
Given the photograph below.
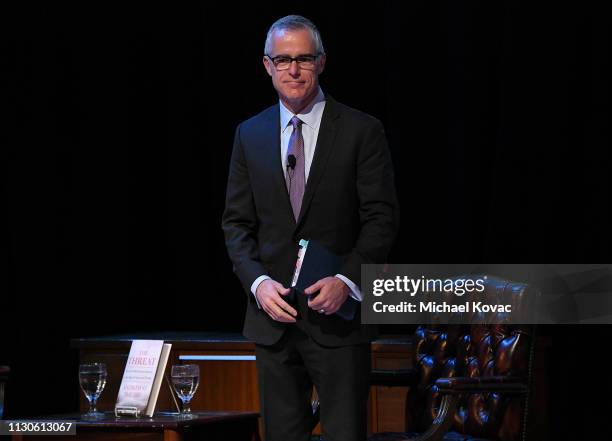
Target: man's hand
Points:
(333, 293)
(269, 294)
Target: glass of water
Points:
(185, 379)
(92, 378)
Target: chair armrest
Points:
(397, 377)
(458, 385)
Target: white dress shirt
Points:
(311, 118)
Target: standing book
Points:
(142, 378)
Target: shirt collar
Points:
(311, 115)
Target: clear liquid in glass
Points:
(186, 386)
(92, 384)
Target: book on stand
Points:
(142, 378)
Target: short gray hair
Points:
(292, 23)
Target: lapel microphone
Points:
(291, 162)
(291, 165)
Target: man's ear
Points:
(321, 64)
(266, 62)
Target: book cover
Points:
(142, 377)
(315, 262)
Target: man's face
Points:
(296, 86)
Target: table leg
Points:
(172, 435)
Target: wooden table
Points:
(229, 376)
(204, 426)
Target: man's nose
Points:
(294, 67)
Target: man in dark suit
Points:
(308, 168)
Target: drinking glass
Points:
(92, 378)
(185, 379)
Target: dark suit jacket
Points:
(349, 206)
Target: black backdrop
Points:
(120, 120)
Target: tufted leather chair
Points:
(469, 382)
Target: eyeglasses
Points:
(283, 62)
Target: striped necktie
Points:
(296, 178)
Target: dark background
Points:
(118, 130)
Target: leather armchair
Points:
(469, 382)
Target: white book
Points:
(142, 378)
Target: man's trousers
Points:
(287, 371)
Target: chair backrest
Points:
(491, 348)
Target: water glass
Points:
(92, 378)
(185, 380)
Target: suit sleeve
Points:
(378, 206)
(239, 220)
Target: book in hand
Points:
(316, 262)
(142, 378)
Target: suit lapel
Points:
(324, 146)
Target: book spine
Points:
(298, 262)
(159, 377)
